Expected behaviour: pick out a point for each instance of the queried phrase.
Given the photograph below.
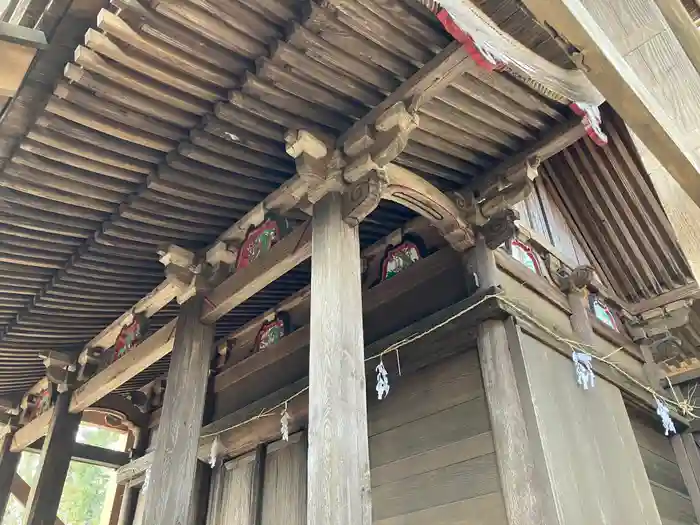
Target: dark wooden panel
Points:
(284, 488)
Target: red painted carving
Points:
(38, 403)
(271, 332)
(401, 256)
(261, 238)
(592, 121)
(130, 336)
(483, 57)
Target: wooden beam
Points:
(90, 454)
(683, 28)
(136, 361)
(8, 469)
(175, 465)
(53, 466)
(32, 431)
(679, 442)
(338, 467)
(288, 253)
(21, 489)
(609, 68)
(24, 36)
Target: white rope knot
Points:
(583, 365)
(284, 423)
(382, 381)
(663, 412)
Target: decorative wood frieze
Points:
(39, 399)
(495, 50)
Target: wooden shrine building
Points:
(353, 262)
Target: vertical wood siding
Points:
(665, 477)
(284, 488)
(230, 497)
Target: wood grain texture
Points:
(53, 466)
(284, 487)
(8, 467)
(338, 470)
(175, 455)
(594, 475)
(524, 505)
(690, 483)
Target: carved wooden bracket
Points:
(319, 165)
(512, 188)
(658, 321)
(500, 228)
(577, 279)
(60, 369)
(184, 271)
(495, 50)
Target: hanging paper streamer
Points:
(284, 422)
(382, 381)
(583, 364)
(663, 413)
(215, 452)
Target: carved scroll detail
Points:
(500, 228)
(364, 196)
(417, 194)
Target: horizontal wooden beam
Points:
(288, 253)
(90, 454)
(251, 433)
(32, 431)
(24, 36)
(136, 361)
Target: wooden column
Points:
(8, 468)
(686, 452)
(516, 463)
(172, 478)
(53, 465)
(338, 462)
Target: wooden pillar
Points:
(53, 465)
(338, 462)
(525, 504)
(686, 452)
(8, 468)
(172, 477)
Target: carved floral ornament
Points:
(495, 50)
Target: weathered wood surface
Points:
(53, 466)
(232, 492)
(135, 361)
(288, 253)
(525, 500)
(662, 469)
(593, 475)
(284, 498)
(690, 482)
(338, 474)
(175, 455)
(646, 77)
(32, 431)
(8, 467)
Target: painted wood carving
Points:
(39, 399)
(495, 50)
(272, 331)
(261, 238)
(399, 257)
(523, 253)
(602, 311)
(130, 336)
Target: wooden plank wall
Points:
(661, 465)
(284, 488)
(541, 214)
(234, 497)
(431, 449)
(586, 442)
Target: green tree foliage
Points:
(86, 485)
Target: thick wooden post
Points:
(516, 464)
(172, 478)
(8, 467)
(338, 462)
(689, 462)
(53, 465)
